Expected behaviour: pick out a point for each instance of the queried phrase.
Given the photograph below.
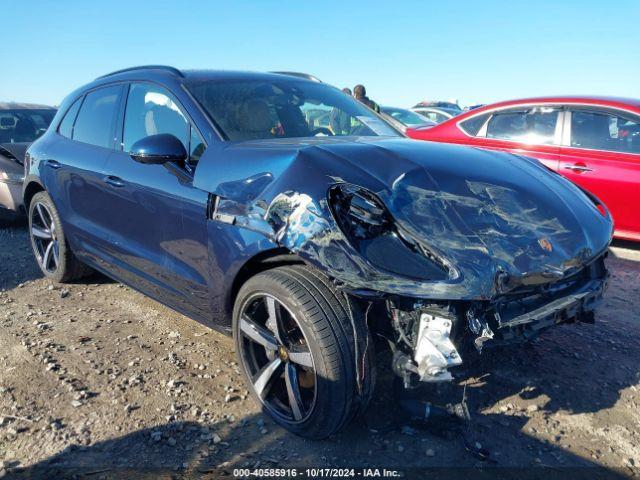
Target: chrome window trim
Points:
(560, 125)
(482, 133)
(564, 105)
(606, 110)
(566, 133)
(483, 129)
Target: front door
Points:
(159, 226)
(602, 155)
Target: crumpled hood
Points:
(500, 220)
(487, 211)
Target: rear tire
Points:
(55, 259)
(311, 317)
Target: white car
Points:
(435, 114)
(406, 118)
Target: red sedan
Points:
(595, 142)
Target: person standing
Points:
(360, 94)
(339, 120)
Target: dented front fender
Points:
(501, 220)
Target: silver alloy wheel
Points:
(277, 358)
(44, 238)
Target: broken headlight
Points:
(359, 213)
(370, 229)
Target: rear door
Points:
(534, 131)
(601, 153)
(159, 227)
(73, 172)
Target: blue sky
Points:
(403, 51)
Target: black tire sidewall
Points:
(59, 274)
(330, 385)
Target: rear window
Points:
(96, 119)
(472, 126)
(66, 126)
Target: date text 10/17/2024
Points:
(316, 473)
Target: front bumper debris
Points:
(578, 306)
(435, 353)
(522, 317)
(428, 334)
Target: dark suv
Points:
(218, 194)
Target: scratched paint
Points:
(485, 214)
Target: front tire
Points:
(55, 259)
(295, 344)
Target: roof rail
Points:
(300, 75)
(173, 70)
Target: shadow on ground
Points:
(626, 244)
(193, 450)
(569, 370)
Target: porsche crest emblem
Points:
(545, 244)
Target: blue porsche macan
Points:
(282, 211)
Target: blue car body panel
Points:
(183, 240)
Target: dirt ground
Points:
(97, 381)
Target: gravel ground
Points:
(97, 381)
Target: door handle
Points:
(113, 181)
(578, 168)
(53, 164)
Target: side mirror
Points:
(158, 149)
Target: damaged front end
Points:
(431, 337)
(461, 246)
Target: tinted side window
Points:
(604, 131)
(196, 147)
(96, 119)
(151, 110)
(537, 125)
(66, 126)
(472, 125)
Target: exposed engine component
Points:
(479, 327)
(435, 353)
(425, 348)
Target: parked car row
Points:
(406, 118)
(284, 212)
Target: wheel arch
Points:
(31, 187)
(260, 262)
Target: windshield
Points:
(406, 117)
(267, 109)
(18, 126)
